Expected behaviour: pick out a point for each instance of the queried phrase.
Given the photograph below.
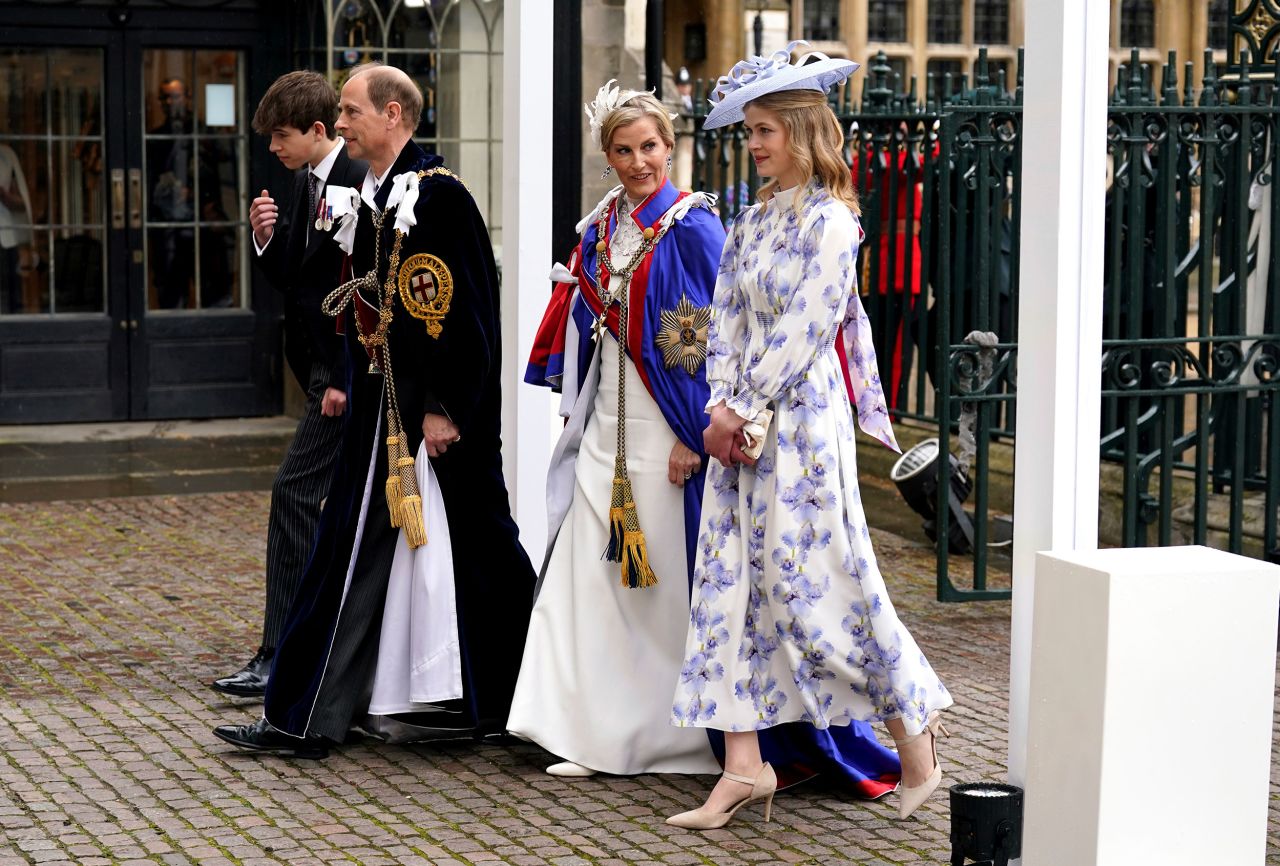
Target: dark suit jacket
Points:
(305, 270)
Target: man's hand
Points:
(682, 464)
(262, 216)
(723, 437)
(439, 433)
(333, 403)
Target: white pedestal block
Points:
(1152, 693)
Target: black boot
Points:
(251, 680)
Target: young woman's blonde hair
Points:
(643, 104)
(814, 140)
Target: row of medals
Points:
(324, 221)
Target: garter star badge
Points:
(426, 289)
(683, 338)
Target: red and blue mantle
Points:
(684, 263)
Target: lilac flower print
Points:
(806, 499)
(710, 628)
(784, 558)
(808, 402)
(700, 670)
(801, 593)
(833, 295)
(811, 243)
(714, 578)
(857, 624)
(697, 710)
(812, 538)
(859, 359)
(725, 486)
(820, 464)
(789, 441)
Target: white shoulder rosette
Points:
(404, 198)
(345, 203)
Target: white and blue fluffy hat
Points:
(754, 77)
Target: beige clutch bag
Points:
(755, 431)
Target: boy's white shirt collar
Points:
(322, 170)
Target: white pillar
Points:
(1152, 696)
(526, 259)
(1060, 310)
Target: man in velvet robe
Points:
(446, 372)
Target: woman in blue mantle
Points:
(626, 481)
(790, 620)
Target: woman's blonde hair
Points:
(642, 105)
(814, 140)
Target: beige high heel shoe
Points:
(763, 787)
(910, 799)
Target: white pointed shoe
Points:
(570, 770)
(910, 799)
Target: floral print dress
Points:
(790, 619)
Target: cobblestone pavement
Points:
(115, 613)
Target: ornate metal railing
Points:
(1191, 415)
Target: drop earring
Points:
(608, 170)
(668, 162)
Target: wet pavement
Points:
(116, 611)
(91, 461)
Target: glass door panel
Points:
(52, 191)
(195, 140)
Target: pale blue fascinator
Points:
(754, 77)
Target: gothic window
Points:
(887, 20)
(822, 20)
(940, 68)
(991, 22)
(452, 49)
(1137, 23)
(1219, 17)
(946, 21)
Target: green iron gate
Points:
(1191, 346)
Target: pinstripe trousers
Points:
(301, 484)
(347, 686)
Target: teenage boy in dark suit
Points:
(300, 258)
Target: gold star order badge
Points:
(683, 338)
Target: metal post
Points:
(1060, 314)
(653, 33)
(566, 101)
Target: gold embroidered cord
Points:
(404, 500)
(626, 539)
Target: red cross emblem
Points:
(423, 287)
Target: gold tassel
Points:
(626, 539)
(415, 530)
(415, 533)
(393, 479)
(636, 572)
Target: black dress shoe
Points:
(251, 680)
(262, 737)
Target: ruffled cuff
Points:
(748, 403)
(721, 391)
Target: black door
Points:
(125, 285)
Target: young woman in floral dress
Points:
(790, 617)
